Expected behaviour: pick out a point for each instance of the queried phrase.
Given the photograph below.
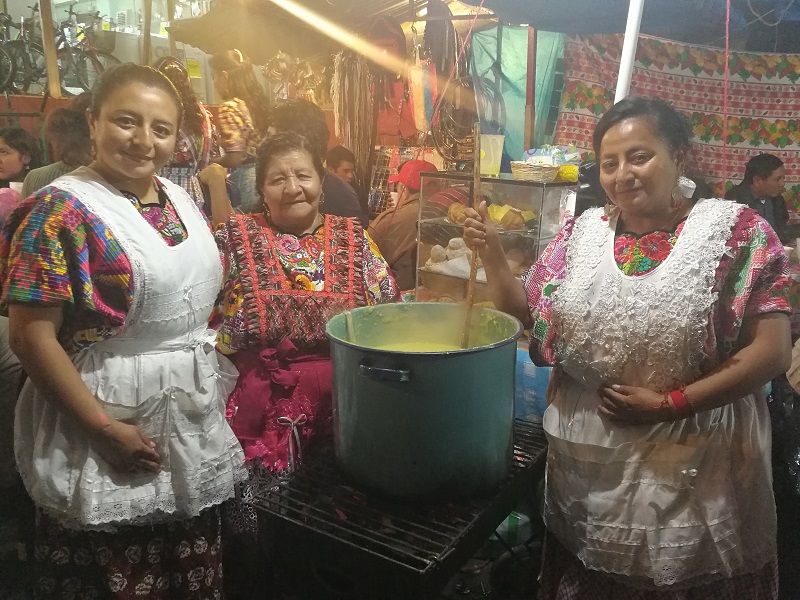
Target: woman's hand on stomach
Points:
(126, 448)
(33, 337)
(635, 405)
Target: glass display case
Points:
(527, 216)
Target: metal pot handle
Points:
(382, 374)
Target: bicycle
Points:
(23, 67)
(85, 57)
(30, 66)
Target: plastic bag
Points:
(553, 155)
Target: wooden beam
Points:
(530, 92)
(173, 47)
(146, 26)
(49, 48)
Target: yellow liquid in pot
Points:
(418, 346)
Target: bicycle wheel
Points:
(90, 65)
(37, 65)
(21, 79)
(7, 68)
(33, 79)
(71, 83)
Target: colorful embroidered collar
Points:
(639, 255)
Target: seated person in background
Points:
(307, 119)
(341, 162)
(67, 132)
(395, 230)
(19, 153)
(762, 190)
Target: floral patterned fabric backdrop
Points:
(763, 104)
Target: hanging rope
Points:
(763, 20)
(725, 89)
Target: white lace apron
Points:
(160, 372)
(672, 504)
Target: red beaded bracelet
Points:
(681, 403)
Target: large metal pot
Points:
(423, 423)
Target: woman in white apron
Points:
(110, 275)
(664, 317)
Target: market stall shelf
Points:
(367, 546)
(527, 216)
(387, 162)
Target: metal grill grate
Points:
(417, 538)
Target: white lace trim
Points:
(668, 552)
(202, 459)
(673, 577)
(153, 502)
(608, 323)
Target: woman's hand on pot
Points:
(126, 448)
(635, 405)
(479, 230)
(213, 173)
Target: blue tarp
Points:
(510, 76)
(659, 17)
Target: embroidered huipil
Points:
(281, 290)
(197, 149)
(236, 129)
(74, 259)
(751, 278)
(136, 303)
(294, 263)
(671, 504)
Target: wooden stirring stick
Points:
(473, 265)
